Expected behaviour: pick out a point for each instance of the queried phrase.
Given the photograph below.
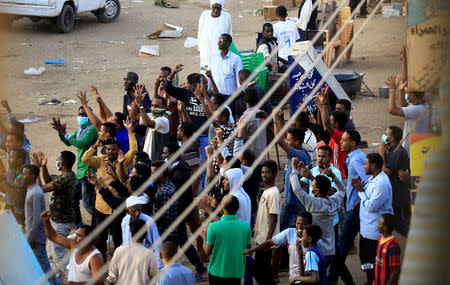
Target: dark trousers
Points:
(345, 244)
(191, 253)
(263, 267)
(362, 10)
(367, 254)
(83, 191)
(114, 229)
(402, 216)
(215, 280)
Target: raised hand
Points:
(128, 124)
(5, 104)
(61, 128)
(403, 54)
(214, 144)
(329, 172)
(219, 134)
(208, 73)
(139, 94)
(295, 163)
(35, 159)
(180, 106)
(95, 91)
(83, 100)
(42, 158)
(121, 157)
(305, 172)
(198, 92)
(178, 67)
(391, 82)
(45, 216)
(209, 150)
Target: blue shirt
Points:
(375, 200)
(122, 138)
(302, 155)
(177, 274)
(316, 171)
(355, 168)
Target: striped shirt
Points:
(388, 257)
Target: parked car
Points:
(61, 12)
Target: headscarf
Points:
(132, 200)
(220, 2)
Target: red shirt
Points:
(338, 158)
(388, 257)
(174, 119)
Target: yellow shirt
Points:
(98, 162)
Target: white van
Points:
(61, 12)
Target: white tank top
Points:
(80, 272)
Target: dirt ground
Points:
(101, 54)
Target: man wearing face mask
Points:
(62, 215)
(84, 137)
(395, 162)
(157, 122)
(103, 163)
(211, 25)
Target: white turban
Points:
(133, 200)
(212, 2)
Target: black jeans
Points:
(191, 253)
(367, 254)
(84, 191)
(263, 267)
(362, 10)
(215, 280)
(402, 216)
(114, 229)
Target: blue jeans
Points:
(41, 255)
(401, 219)
(56, 253)
(289, 214)
(203, 143)
(83, 191)
(345, 244)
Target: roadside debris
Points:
(165, 30)
(34, 71)
(149, 51)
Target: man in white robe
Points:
(211, 25)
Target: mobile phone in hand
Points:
(367, 266)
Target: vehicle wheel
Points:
(110, 12)
(65, 20)
(6, 21)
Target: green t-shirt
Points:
(229, 237)
(61, 209)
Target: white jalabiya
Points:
(209, 31)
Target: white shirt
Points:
(411, 114)
(151, 237)
(162, 126)
(225, 71)
(209, 31)
(80, 272)
(269, 204)
(286, 33)
(305, 15)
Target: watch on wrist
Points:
(141, 108)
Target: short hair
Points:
(397, 133)
(307, 215)
(166, 69)
(225, 113)
(21, 154)
(340, 118)
(136, 181)
(303, 120)
(281, 11)
(249, 156)
(17, 126)
(326, 148)
(196, 78)
(34, 170)
(87, 229)
(323, 183)
(245, 73)
(135, 226)
(110, 128)
(142, 157)
(227, 37)
(190, 78)
(316, 129)
(347, 104)
(219, 99)
(272, 165)
(112, 141)
(297, 133)
(169, 249)
(231, 204)
(133, 76)
(236, 163)
(68, 158)
(163, 100)
(314, 231)
(418, 94)
(187, 128)
(389, 221)
(251, 96)
(158, 164)
(376, 159)
(120, 117)
(266, 26)
(354, 136)
(19, 136)
(172, 147)
(143, 170)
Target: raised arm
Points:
(323, 105)
(184, 115)
(139, 98)
(52, 235)
(277, 125)
(177, 93)
(393, 84)
(89, 158)
(105, 113)
(95, 121)
(213, 83)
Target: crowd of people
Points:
(331, 190)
